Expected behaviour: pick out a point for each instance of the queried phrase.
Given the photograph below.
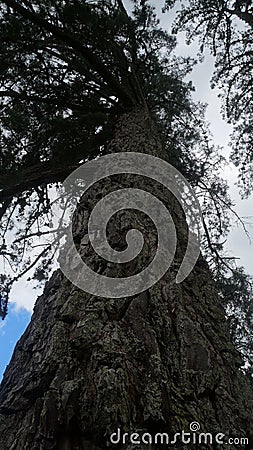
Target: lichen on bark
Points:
(155, 362)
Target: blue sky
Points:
(23, 295)
(10, 331)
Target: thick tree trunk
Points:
(153, 363)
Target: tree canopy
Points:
(68, 69)
(226, 29)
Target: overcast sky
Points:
(23, 295)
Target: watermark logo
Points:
(194, 436)
(194, 426)
(155, 169)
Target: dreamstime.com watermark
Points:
(157, 170)
(193, 436)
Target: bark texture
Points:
(152, 363)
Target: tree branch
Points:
(20, 275)
(243, 15)
(33, 177)
(5, 206)
(77, 46)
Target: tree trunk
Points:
(153, 363)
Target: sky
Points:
(24, 295)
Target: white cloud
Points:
(238, 243)
(23, 295)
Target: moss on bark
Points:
(153, 363)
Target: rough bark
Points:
(152, 363)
